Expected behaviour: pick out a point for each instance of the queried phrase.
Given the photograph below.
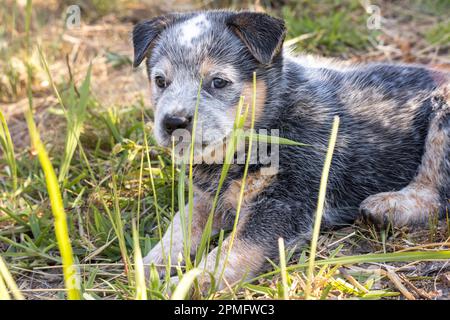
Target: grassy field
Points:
(85, 191)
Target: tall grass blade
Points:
(229, 153)
(71, 277)
(4, 294)
(187, 247)
(50, 79)
(440, 255)
(7, 279)
(152, 183)
(389, 257)
(141, 288)
(276, 140)
(118, 226)
(244, 177)
(182, 289)
(321, 203)
(172, 213)
(284, 274)
(75, 116)
(8, 148)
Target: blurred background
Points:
(401, 30)
(358, 30)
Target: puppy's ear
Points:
(262, 34)
(144, 34)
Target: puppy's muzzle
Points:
(172, 123)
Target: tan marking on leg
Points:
(245, 260)
(432, 161)
(420, 199)
(255, 183)
(201, 210)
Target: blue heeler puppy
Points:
(392, 157)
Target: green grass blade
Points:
(50, 78)
(440, 255)
(389, 257)
(141, 288)
(182, 289)
(119, 228)
(6, 277)
(278, 140)
(229, 153)
(4, 293)
(284, 274)
(244, 177)
(152, 183)
(75, 117)
(8, 148)
(321, 203)
(14, 217)
(172, 212)
(71, 277)
(187, 247)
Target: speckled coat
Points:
(392, 157)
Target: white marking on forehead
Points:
(192, 29)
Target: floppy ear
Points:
(144, 34)
(262, 34)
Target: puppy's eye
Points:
(219, 83)
(161, 81)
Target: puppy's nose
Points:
(172, 123)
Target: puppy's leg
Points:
(263, 221)
(245, 259)
(428, 193)
(173, 241)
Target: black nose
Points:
(172, 123)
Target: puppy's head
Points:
(220, 50)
